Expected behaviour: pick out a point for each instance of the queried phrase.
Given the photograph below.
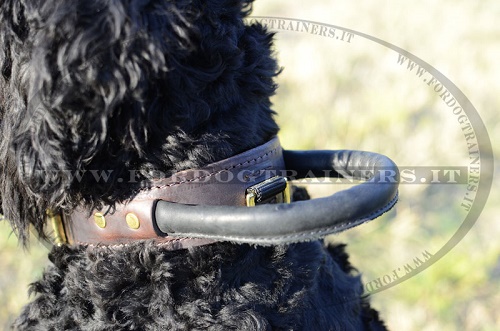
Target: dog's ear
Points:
(70, 72)
(17, 204)
(111, 86)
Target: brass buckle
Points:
(273, 190)
(58, 232)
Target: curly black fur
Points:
(219, 287)
(137, 88)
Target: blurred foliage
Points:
(355, 96)
(19, 268)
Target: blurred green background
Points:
(354, 95)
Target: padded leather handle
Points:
(299, 221)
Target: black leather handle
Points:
(299, 221)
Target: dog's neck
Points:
(236, 181)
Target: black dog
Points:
(132, 89)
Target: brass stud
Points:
(132, 221)
(100, 220)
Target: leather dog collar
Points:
(245, 179)
(209, 203)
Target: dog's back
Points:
(214, 287)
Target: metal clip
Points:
(273, 190)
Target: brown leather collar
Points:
(222, 183)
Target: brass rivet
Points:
(132, 221)
(100, 220)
